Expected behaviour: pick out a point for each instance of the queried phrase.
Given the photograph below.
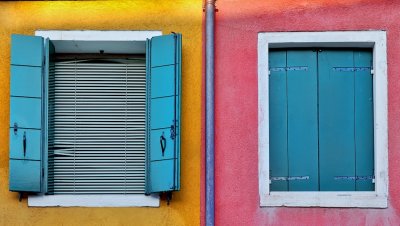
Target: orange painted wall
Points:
(183, 16)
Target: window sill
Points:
(94, 200)
(324, 199)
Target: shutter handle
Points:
(24, 143)
(163, 143)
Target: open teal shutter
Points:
(163, 109)
(48, 66)
(26, 124)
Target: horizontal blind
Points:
(97, 128)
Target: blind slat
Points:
(97, 128)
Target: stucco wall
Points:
(237, 25)
(179, 16)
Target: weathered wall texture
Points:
(179, 16)
(237, 25)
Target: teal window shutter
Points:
(278, 159)
(336, 120)
(163, 59)
(321, 120)
(26, 124)
(48, 67)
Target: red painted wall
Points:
(237, 25)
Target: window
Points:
(99, 131)
(323, 119)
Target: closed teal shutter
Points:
(278, 159)
(346, 120)
(26, 113)
(364, 121)
(164, 97)
(302, 114)
(321, 120)
(293, 110)
(336, 120)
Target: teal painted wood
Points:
(32, 149)
(26, 81)
(302, 120)
(160, 179)
(163, 60)
(178, 109)
(148, 130)
(336, 120)
(162, 81)
(364, 127)
(163, 50)
(49, 64)
(26, 113)
(278, 156)
(25, 175)
(26, 50)
(162, 112)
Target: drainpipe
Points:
(210, 15)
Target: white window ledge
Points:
(94, 200)
(325, 199)
(355, 39)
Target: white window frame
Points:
(113, 40)
(365, 39)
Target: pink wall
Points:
(237, 25)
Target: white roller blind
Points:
(97, 128)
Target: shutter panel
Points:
(164, 97)
(49, 68)
(336, 120)
(278, 159)
(26, 113)
(364, 121)
(302, 114)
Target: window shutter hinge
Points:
(269, 72)
(372, 72)
(173, 130)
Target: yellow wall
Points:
(179, 16)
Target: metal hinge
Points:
(290, 178)
(351, 69)
(173, 132)
(293, 68)
(354, 178)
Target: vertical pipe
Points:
(210, 16)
